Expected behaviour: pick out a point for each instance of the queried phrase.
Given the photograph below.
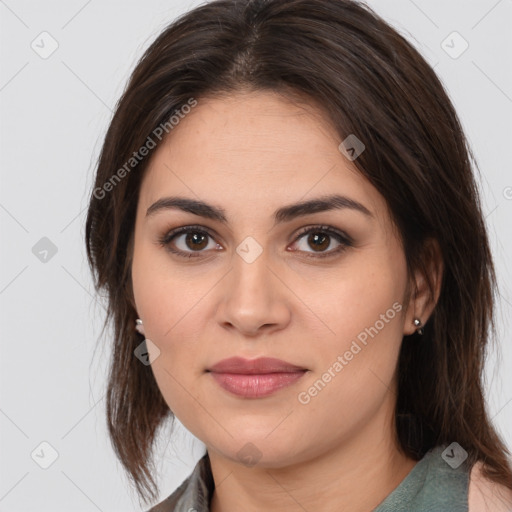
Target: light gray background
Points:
(54, 113)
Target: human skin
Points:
(250, 154)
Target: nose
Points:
(254, 298)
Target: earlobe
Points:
(418, 324)
(139, 327)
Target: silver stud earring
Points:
(139, 327)
(417, 323)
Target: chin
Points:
(261, 453)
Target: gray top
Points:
(435, 484)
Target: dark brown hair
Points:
(374, 84)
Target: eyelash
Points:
(344, 240)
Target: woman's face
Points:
(259, 285)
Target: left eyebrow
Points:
(284, 214)
(320, 204)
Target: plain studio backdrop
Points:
(57, 99)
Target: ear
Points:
(128, 284)
(422, 301)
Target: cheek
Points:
(361, 311)
(354, 371)
(172, 305)
(365, 290)
(165, 296)
(174, 316)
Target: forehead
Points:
(260, 149)
(256, 124)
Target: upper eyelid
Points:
(324, 228)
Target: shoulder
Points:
(485, 495)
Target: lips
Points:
(261, 365)
(255, 378)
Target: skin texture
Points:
(250, 154)
(487, 496)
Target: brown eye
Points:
(186, 241)
(319, 239)
(196, 241)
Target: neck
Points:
(359, 473)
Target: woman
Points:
(288, 229)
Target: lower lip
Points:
(255, 386)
